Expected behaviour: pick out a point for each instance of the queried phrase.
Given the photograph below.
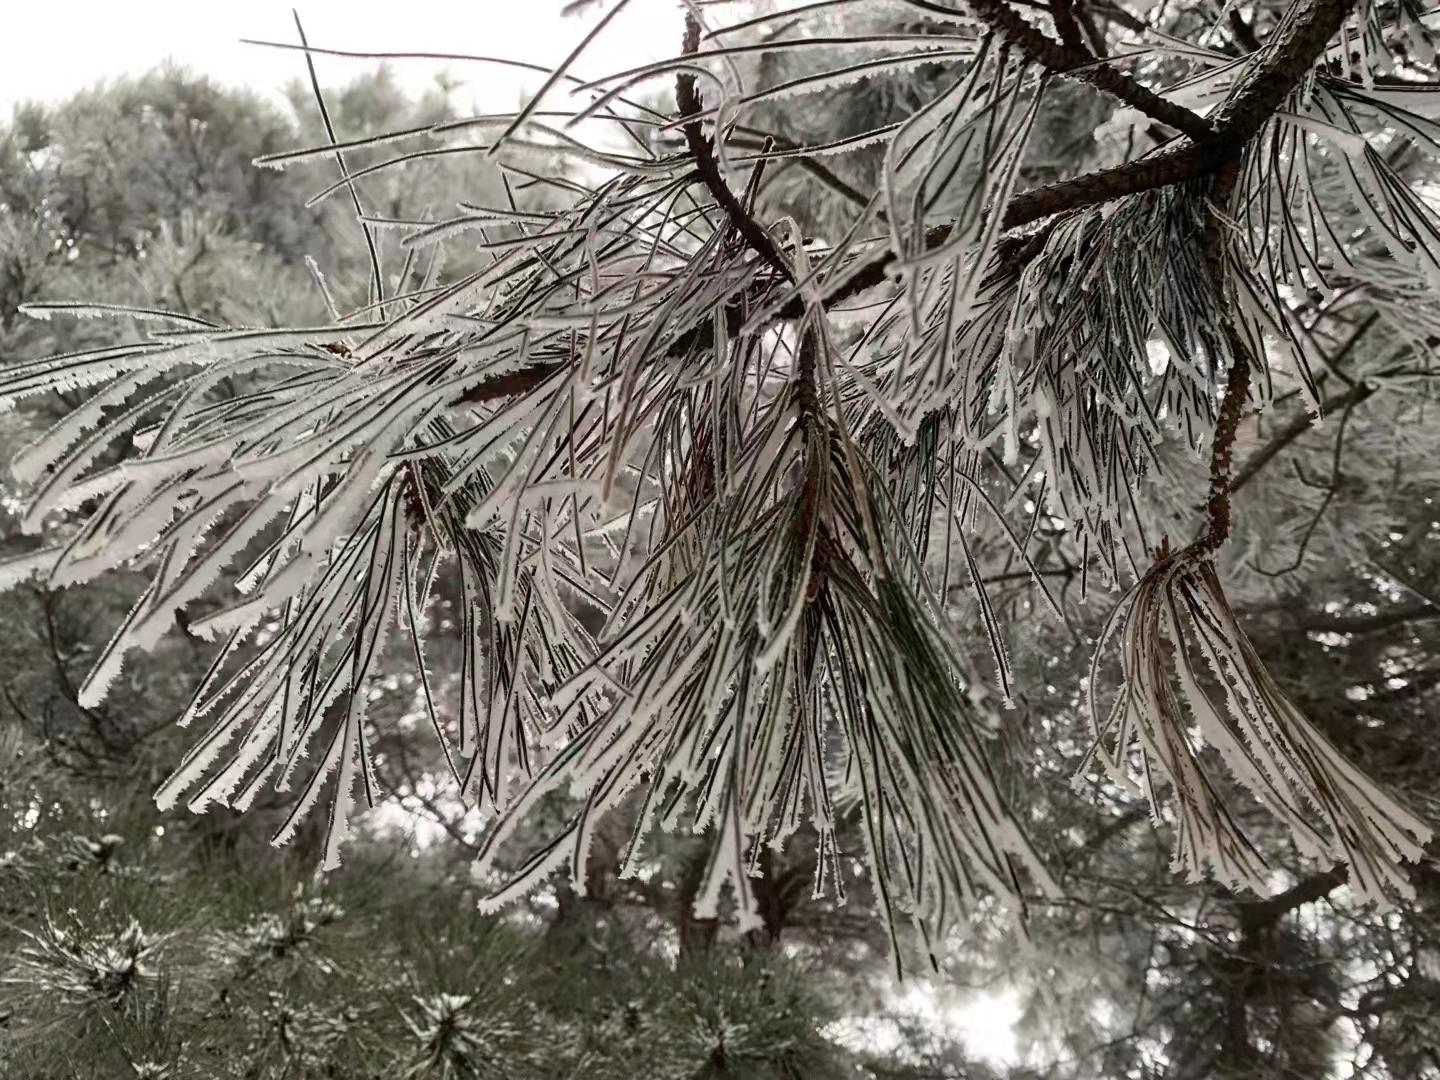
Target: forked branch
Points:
(1290, 52)
(1074, 61)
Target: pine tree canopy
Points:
(709, 437)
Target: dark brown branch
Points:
(1062, 12)
(1077, 62)
(519, 381)
(1243, 31)
(1290, 52)
(1171, 165)
(754, 234)
(1259, 914)
(1217, 506)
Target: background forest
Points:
(135, 942)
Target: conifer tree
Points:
(705, 473)
(135, 943)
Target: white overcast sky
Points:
(51, 48)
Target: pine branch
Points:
(1289, 53)
(1256, 915)
(1244, 33)
(702, 150)
(1287, 56)
(810, 413)
(927, 793)
(1179, 607)
(811, 417)
(1170, 165)
(1075, 61)
(1237, 386)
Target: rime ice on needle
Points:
(630, 418)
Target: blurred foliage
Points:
(132, 951)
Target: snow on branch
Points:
(699, 476)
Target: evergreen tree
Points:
(128, 956)
(716, 480)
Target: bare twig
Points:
(1357, 393)
(702, 153)
(1331, 488)
(1293, 430)
(1075, 61)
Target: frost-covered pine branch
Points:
(704, 481)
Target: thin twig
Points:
(1075, 61)
(1291, 51)
(1331, 488)
(687, 97)
(1293, 430)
